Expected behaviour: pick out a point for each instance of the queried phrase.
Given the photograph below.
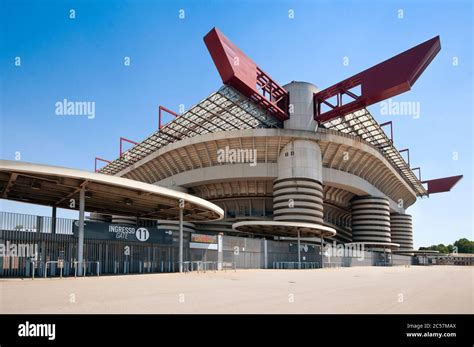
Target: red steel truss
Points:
(382, 81)
(100, 159)
(162, 108)
(122, 139)
(239, 71)
(441, 185)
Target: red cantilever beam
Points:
(162, 108)
(100, 159)
(382, 81)
(239, 71)
(126, 140)
(441, 185)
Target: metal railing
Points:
(59, 262)
(295, 265)
(204, 266)
(26, 222)
(332, 264)
(84, 267)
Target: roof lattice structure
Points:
(224, 110)
(362, 124)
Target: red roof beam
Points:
(122, 139)
(100, 159)
(239, 71)
(441, 185)
(164, 109)
(382, 81)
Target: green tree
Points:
(461, 246)
(464, 246)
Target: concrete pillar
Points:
(265, 254)
(298, 190)
(370, 219)
(401, 230)
(220, 253)
(80, 239)
(53, 220)
(301, 106)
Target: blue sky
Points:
(82, 59)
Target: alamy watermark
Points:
(75, 108)
(355, 250)
(238, 155)
(22, 250)
(400, 108)
(28, 329)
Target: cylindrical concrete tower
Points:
(173, 226)
(124, 220)
(401, 230)
(301, 106)
(298, 190)
(98, 217)
(370, 219)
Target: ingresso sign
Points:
(107, 231)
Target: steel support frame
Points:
(408, 154)
(391, 128)
(419, 172)
(122, 139)
(164, 109)
(380, 82)
(100, 159)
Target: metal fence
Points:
(124, 257)
(26, 222)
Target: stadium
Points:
(265, 176)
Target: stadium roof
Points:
(362, 124)
(224, 110)
(227, 110)
(56, 186)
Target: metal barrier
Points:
(33, 270)
(231, 264)
(85, 267)
(32, 223)
(59, 262)
(295, 265)
(332, 264)
(203, 266)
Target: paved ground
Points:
(434, 289)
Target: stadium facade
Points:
(287, 164)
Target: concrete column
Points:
(181, 239)
(220, 253)
(265, 254)
(301, 106)
(53, 220)
(298, 190)
(370, 219)
(401, 230)
(80, 240)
